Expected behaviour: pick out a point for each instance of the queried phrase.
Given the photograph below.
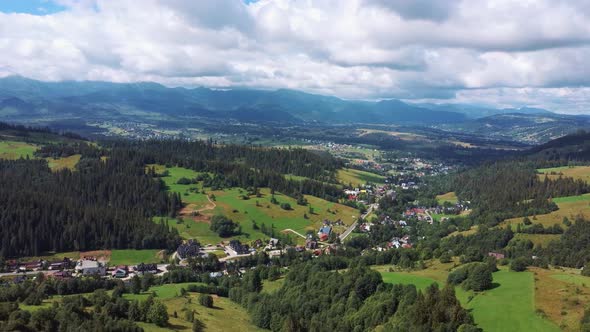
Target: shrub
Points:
(519, 264)
(206, 300)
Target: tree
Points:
(206, 300)
(445, 257)
(135, 285)
(586, 270)
(526, 221)
(158, 314)
(519, 264)
(198, 326)
(286, 206)
(223, 226)
(480, 278)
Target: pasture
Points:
(569, 207)
(508, 307)
(576, 172)
(357, 177)
(15, 150)
(407, 279)
(134, 257)
(450, 197)
(245, 209)
(63, 163)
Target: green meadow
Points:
(508, 307)
(16, 150)
(133, 257)
(407, 279)
(357, 177)
(246, 209)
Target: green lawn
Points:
(188, 196)
(508, 307)
(357, 177)
(406, 279)
(133, 257)
(15, 150)
(438, 217)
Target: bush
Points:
(519, 264)
(286, 206)
(224, 226)
(206, 300)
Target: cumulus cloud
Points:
(495, 51)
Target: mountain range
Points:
(23, 99)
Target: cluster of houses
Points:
(397, 242)
(190, 248)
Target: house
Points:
(496, 255)
(311, 244)
(238, 247)
(325, 230)
(119, 273)
(216, 274)
(90, 267)
(188, 249)
(272, 244)
(143, 268)
(64, 264)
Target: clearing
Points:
(576, 172)
(358, 178)
(450, 197)
(16, 150)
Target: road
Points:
(351, 228)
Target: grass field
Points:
(450, 197)
(569, 207)
(272, 286)
(562, 294)
(62, 163)
(538, 239)
(231, 203)
(407, 279)
(15, 150)
(357, 178)
(133, 257)
(576, 172)
(508, 307)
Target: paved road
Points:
(351, 228)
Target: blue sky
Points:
(35, 7)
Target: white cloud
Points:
(503, 52)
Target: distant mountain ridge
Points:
(22, 97)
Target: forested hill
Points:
(108, 200)
(573, 147)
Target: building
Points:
(496, 255)
(143, 268)
(90, 267)
(188, 249)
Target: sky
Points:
(488, 52)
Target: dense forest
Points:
(503, 190)
(241, 166)
(316, 299)
(104, 204)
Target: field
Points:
(62, 163)
(569, 207)
(272, 286)
(407, 279)
(357, 178)
(538, 239)
(450, 197)
(508, 307)
(511, 306)
(562, 294)
(576, 172)
(15, 150)
(230, 202)
(133, 257)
